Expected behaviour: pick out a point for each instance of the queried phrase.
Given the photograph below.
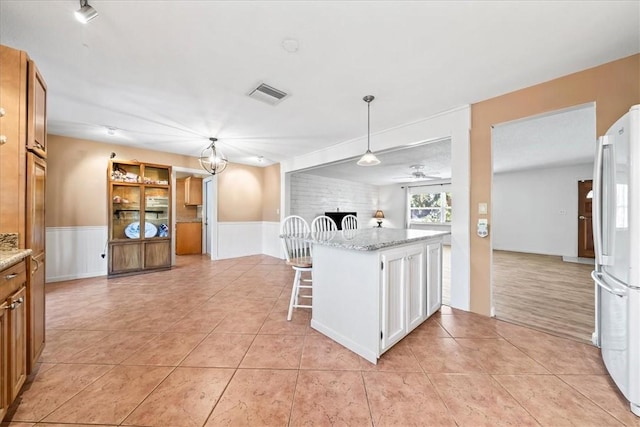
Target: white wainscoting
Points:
(270, 239)
(74, 252)
(236, 239)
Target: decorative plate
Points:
(132, 230)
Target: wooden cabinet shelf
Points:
(139, 217)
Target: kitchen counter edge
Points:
(372, 240)
(11, 257)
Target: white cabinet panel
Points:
(416, 286)
(434, 277)
(404, 290)
(394, 322)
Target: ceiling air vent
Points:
(268, 94)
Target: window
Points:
(430, 208)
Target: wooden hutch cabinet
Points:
(139, 217)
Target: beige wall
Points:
(271, 193)
(614, 87)
(77, 178)
(240, 193)
(77, 183)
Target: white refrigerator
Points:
(616, 229)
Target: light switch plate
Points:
(482, 208)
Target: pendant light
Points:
(368, 159)
(212, 160)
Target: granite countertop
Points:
(10, 257)
(371, 239)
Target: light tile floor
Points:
(207, 343)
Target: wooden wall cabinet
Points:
(36, 112)
(139, 217)
(23, 171)
(192, 191)
(13, 333)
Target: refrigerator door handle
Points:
(601, 258)
(597, 277)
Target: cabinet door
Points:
(193, 191)
(125, 257)
(126, 222)
(434, 277)
(157, 254)
(5, 399)
(36, 183)
(393, 298)
(17, 341)
(13, 75)
(36, 112)
(188, 238)
(156, 212)
(416, 286)
(36, 314)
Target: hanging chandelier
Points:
(212, 160)
(368, 159)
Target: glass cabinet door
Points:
(125, 200)
(125, 173)
(156, 211)
(155, 175)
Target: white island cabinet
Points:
(371, 287)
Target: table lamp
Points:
(379, 215)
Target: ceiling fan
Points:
(416, 175)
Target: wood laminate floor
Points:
(544, 292)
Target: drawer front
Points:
(12, 279)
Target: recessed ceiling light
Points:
(290, 45)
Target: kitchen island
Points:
(371, 287)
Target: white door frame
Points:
(210, 213)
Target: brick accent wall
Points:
(314, 195)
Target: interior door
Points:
(585, 224)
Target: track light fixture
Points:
(368, 159)
(212, 160)
(86, 13)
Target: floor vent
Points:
(268, 94)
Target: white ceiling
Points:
(561, 138)
(395, 165)
(169, 74)
(558, 138)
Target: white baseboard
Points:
(578, 260)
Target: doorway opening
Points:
(539, 216)
(191, 205)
